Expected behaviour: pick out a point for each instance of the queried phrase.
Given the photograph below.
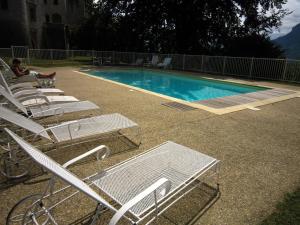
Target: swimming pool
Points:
(177, 86)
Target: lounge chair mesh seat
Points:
(92, 126)
(49, 110)
(175, 162)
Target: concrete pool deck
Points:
(259, 150)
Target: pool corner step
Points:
(178, 106)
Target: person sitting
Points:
(19, 71)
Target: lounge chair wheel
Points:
(11, 168)
(29, 210)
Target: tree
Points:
(179, 26)
(254, 45)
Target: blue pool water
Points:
(178, 86)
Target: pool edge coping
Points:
(203, 107)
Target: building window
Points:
(32, 13)
(56, 18)
(45, 2)
(55, 2)
(4, 4)
(47, 18)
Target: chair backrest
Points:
(6, 70)
(23, 122)
(167, 61)
(12, 100)
(4, 83)
(154, 60)
(55, 168)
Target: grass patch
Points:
(75, 61)
(287, 212)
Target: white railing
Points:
(252, 68)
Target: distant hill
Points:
(291, 43)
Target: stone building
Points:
(39, 23)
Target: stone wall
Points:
(14, 24)
(39, 23)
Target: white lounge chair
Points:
(154, 61)
(9, 74)
(48, 110)
(35, 97)
(138, 62)
(165, 64)
(65, 134)
(137, 190)
(26, 88)
(45, 82)
(70, 130)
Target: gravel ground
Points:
(259, 151)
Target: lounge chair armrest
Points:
(23, 89)
(20, 86)
(56, 126)
(32, 97)
(27, 92)
(102, 152)
(58, 109)
(63, 124)
(151, 189)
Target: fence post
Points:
(183, 62)
(224, 64)
(284, 70)
(202, 63)
(133, 57)
(51, 55)
(113, 57)
(12, 52)
(28, 56)
(251, 66)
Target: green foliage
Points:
(176, 26)
(287, 212)
(253, 45)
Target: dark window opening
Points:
(32, 14)
(56, 18)
(47, 18)
(73, 5)
(55, 2)
(4, 4)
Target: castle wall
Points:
(14, 24)
(39, 23)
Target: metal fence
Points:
(251, 68)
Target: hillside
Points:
(291, 43)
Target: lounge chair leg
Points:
(11, 168)
(31, 210)
(96, 214)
